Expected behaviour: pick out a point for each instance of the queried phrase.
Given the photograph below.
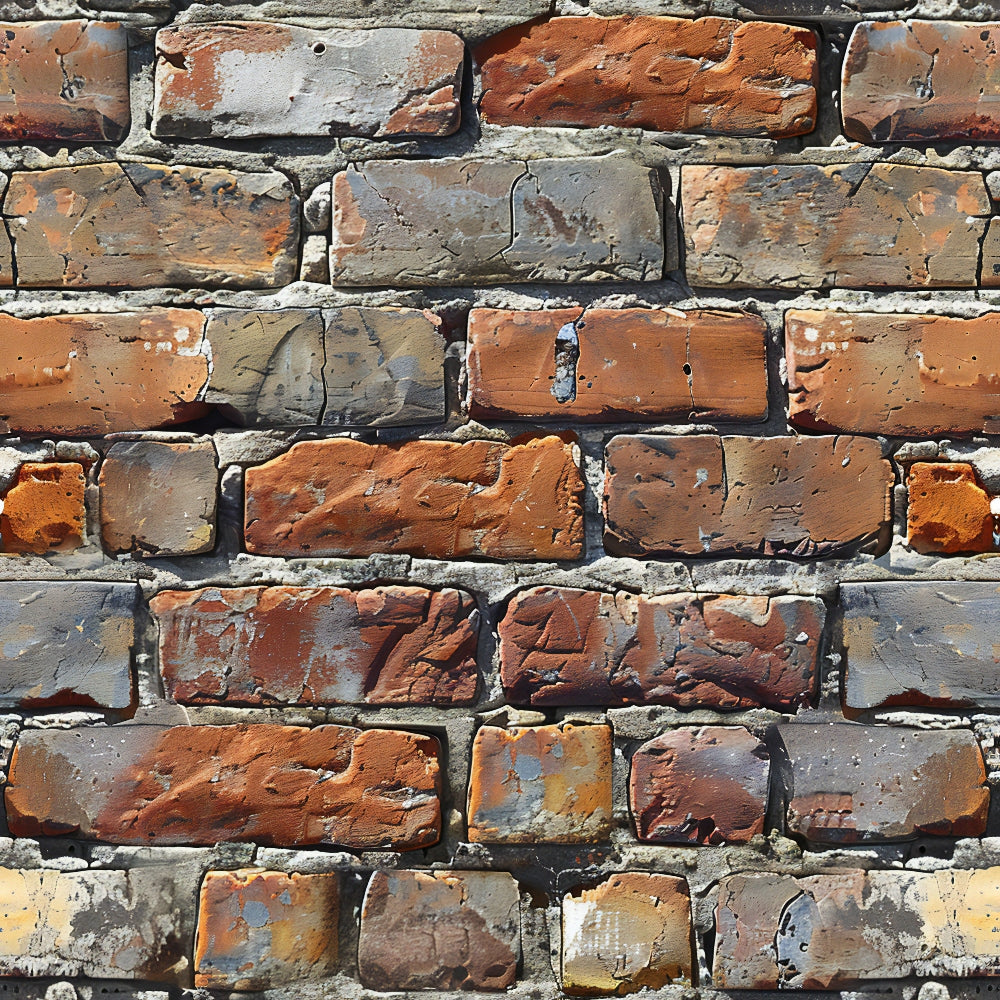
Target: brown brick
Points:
(64, 81)
(269, 784)
(669, 74)
(158, 498)
(44, 510)
(706, 495)
(439, 930)
(96, 373)
(906, 80)
(562, 646)
(848, 226)
(611, 364)
(542, 784)
(340, 497)
(318, 645)
(130, 225)
(700, 786)
(259, 930)
(947, 510)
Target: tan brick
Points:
(947, 510)
(44, 511)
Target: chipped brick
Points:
(947, 510)
(44, 511)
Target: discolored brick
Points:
(610, 364)
(541, 784)
(263, 783)
(44, 510)
(947, 510)
(563, 646)
(440, 930)
(440, 499)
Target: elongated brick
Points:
(320, 645)
(269, 784)
(880, 783)
(438, 222)
(670, 74)
(44, 511)
(611, 364)
(130, 225)
(63, 81)
(706, 495)
(386, 82)
(563, 646)
(848, 226)
(429, 498)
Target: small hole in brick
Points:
(687, 369)
(319, 48)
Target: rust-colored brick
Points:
(947, 510)
(44, 511)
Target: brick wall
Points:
(499, 497)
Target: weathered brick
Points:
(439, 930)
(320, 645)
(700, 786)
(906, 80)
(428, 498)
(541, 784)
(562, 646)
(259, 930)
(670, 74)
(66, 643)
(386, 82)
(131, 225)
(384, 368)
(440, 222)
(44, 510)
(893, 373)
(836, 930)
(158, 498)
(853, 783)
(269, 784)
(848, 226)
(947, 510)
(707, 495)
(610, 364)
(914, 643)
(63, 81)
(267, 366)
(631, 932)
(95, 373)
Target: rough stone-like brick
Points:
(63, 81)
(158, 498)
(441, 499)
(611, 364)
(66, 643)
(131, 225)
(322, 645)
(670, 74)
(914, 643)
(541, 784)
(854, 783)
(562, 646)
(439, 931)
(835, 930)
(947, 510)
(391, 81)
(849, 226)
(906, 80)
(269, 784)
(258, 929)
(893, 373)
(44, 510)
(100, 924)
(267, 367)
(700, 786)
(384, 368)
(631, 932)
(707, 495)
(440, 222)
(101, 372)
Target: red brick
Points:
(611, 364)
(441, 499)
(44, 511)
(947, 510)
(669, 74)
